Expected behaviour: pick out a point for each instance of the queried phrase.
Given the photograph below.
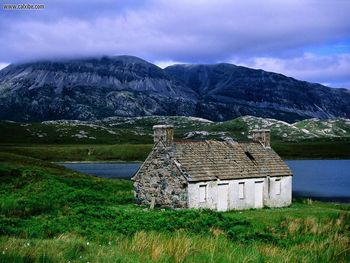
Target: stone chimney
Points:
(163, 135)
(262, 136)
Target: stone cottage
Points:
(218, 175)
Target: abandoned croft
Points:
(218, 175)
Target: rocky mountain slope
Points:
(90, 89)
(227, 91)
(95, 88)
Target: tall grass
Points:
(318, 244)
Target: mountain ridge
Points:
(255, 86)
(128, 86)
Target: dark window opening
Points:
(250, 156)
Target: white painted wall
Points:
(275, 199)
(258, 192)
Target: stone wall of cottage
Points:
(160, 179)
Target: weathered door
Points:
(222, 197)
(259, 194)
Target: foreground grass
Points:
(177, 247)
(51, 214)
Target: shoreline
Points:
(77, 162)
(133, 161)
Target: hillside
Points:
(51, 214)
(131, 139)
(95, 88)
(139, 130)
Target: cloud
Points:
(201, 31)
(331, 70)
(3, 65)
(172, 30)
(166, 63)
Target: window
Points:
(241, 190)
(278, 186)
(202, 193)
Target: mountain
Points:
(95, 88)
(226, 91)
(91, 88)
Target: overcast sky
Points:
(308, 40)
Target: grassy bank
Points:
(116, 152)
(338, 149)
(51, 214)
(138, 152)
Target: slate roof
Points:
(212, 160)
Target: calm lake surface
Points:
(327, 180)
(106, 170)
(321, 179)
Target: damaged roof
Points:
(212, 160)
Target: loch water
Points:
(327, 180)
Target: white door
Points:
(222, 197)
(259, 194)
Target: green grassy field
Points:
(138, 152)
(116, 152)
(52, 214)
(316, 149)
(130, 139)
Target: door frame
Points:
(227, 196)
(258, 182)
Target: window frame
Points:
(241, 190)
(278, 186)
